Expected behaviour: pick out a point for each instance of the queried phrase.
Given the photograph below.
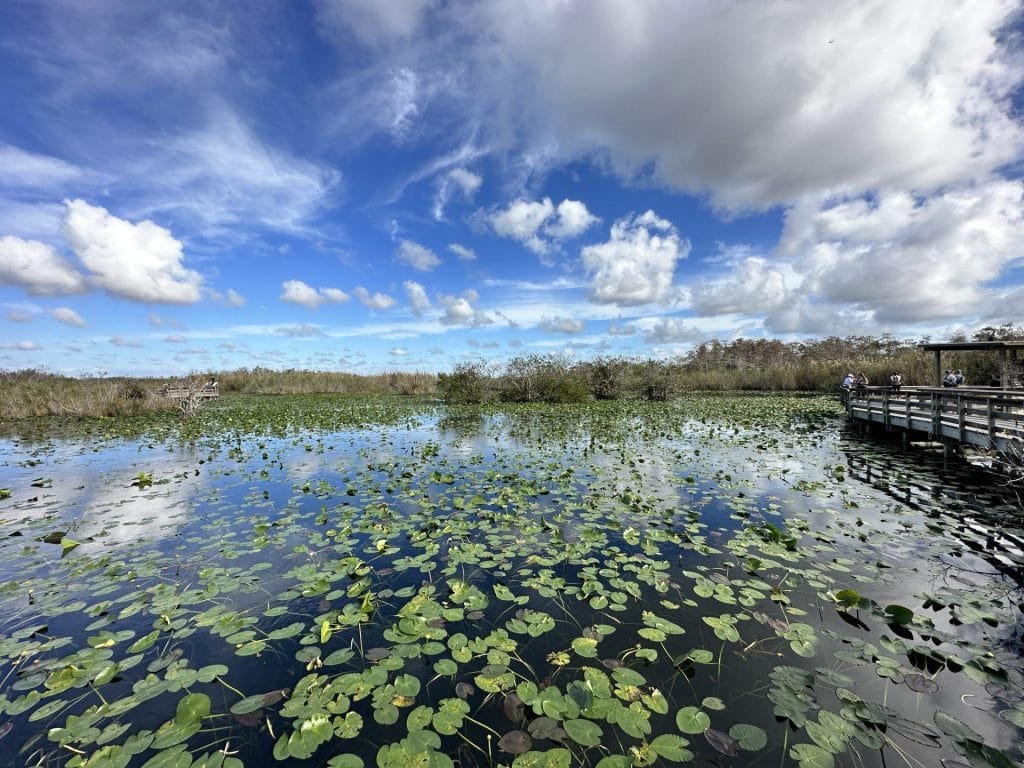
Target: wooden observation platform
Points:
(982, 417)
(179, 391)
(990, 418)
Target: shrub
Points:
(467, 383)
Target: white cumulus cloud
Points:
(459, 310)
(298, 292)
(462, 252)
(140, 262)
(38, 268)
(571, 219)
(559, 324)
(67, 316)
(637, 263)
(908, 259)
(334, 295)
(540, 224)
(670, 330)
(374, 300)
(417, 256)
(753, 285)
(418, 299)
(762, 103)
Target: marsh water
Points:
(719, 580)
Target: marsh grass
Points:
(263, 381)
(31, 393)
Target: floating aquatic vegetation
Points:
(353, 582)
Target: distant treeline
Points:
(741, 364)
(766, 365)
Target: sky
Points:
(389, 185)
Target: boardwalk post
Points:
(962, 419)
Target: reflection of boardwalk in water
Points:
(968, 508)
(985, 418)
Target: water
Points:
(662, 582)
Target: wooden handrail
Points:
(987, 417)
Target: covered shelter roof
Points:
(971, 346)
(1009, 366)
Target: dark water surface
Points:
(726, 581)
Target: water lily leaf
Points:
(627, 676)
(449, 716)
(66, 545)
(1013, 716)
(671, 747)
(722, 742)
(615, 761)
(692, 720)
(831, 738)
(514, 708)
(954, 728)
(175, 757)
(749, 737)
(543, 727)
(559, 757)
(585, 732)
(920, 683)
(712, 702)
(464, 690)
(247, 705)
(192, 709)
(407, 685)
(585, 647)
(898, 615)
(850, 598)
(515, 742)
(349, 726)
(812, 756)
(296, 628)
(339, 657)
(345, 760)
(419, 718)
(504, 593)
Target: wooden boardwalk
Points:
(178, 392)
(980, 417)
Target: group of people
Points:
(953, 378)
(859, 382)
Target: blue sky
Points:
(366, 185)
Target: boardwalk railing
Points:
(177, 392)
(987, 418)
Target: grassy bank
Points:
(27, 394)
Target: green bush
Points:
(467, 383)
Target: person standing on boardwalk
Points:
(895, 382)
